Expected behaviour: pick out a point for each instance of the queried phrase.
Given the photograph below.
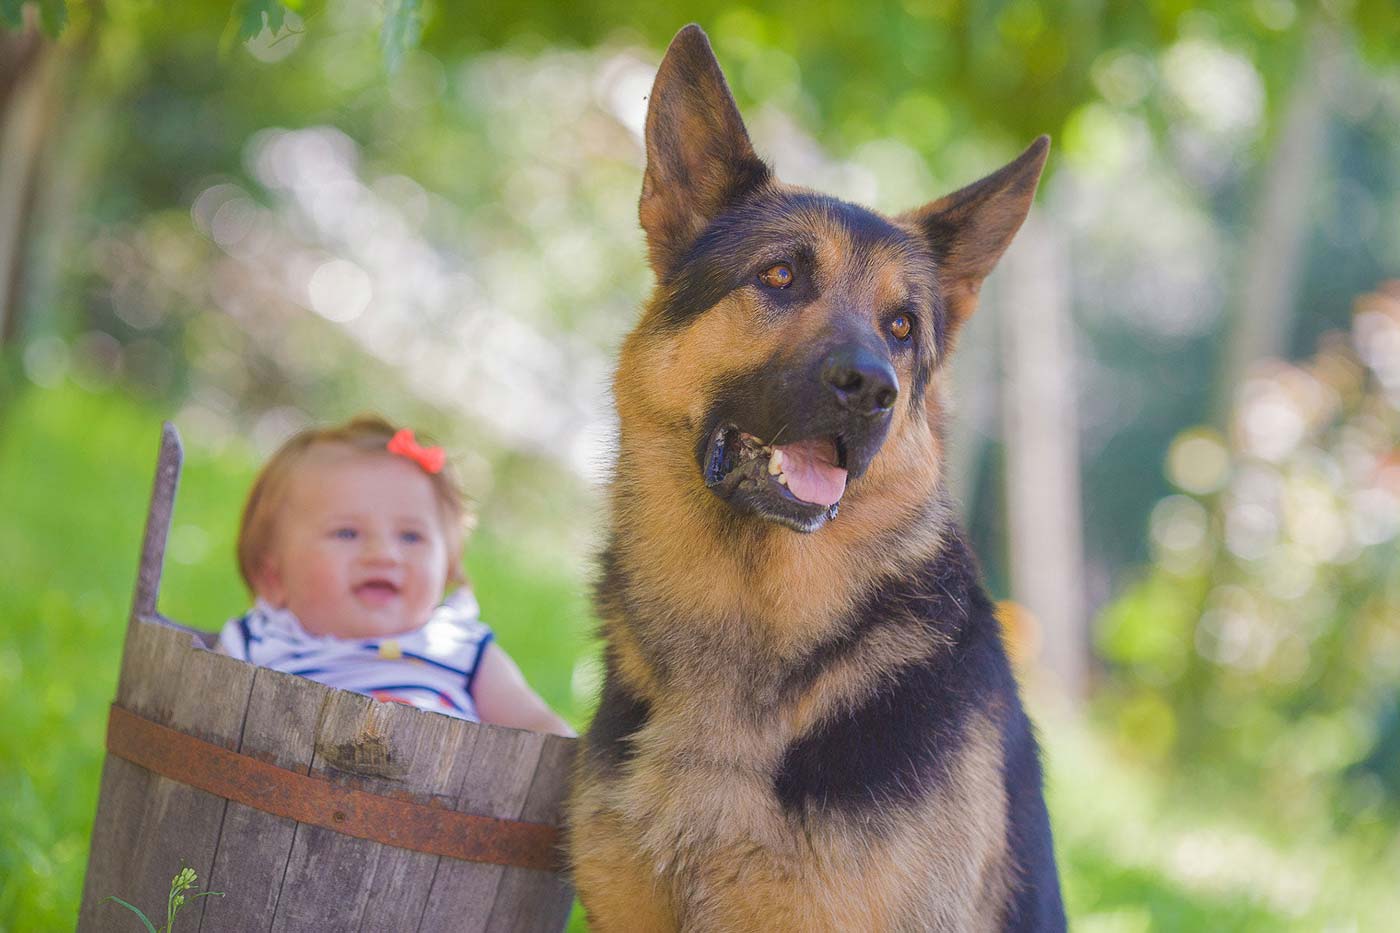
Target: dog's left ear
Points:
(699, 158)
(969, 229)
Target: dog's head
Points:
(784, 365)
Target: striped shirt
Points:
(431, 667)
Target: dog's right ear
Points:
(699, 158)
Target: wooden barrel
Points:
(311, 808)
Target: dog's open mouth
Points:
(798, 484)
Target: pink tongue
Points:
(812, 473)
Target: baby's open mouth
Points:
(376, 591)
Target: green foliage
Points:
(140, 914)
(916, 71)
(180, 884)
(403, 26)
(1261, 643)
(253, 16)
(53, 15)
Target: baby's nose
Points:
(381, 549)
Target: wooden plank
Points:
(439, 754)
(499, 774)
(150, 659)
(341, 882)
(280, 728)
(124, 789)
(147, 826)
(530, 900)
(162, 507)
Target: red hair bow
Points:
(431, 459)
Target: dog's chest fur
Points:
(874, 752)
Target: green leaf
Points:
(136, 910)
(10, 13)
(253, 15)
(53, 16)
(403, 25)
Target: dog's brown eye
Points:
(901, 327)
(776, 276)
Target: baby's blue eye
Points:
(411, 537)
(344, 534)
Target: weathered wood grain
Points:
(280, 728)
(279, 875)
(147, 826)
(335, 881)
(536, 900)
(499, 773)
(167, 481)
(402, 881)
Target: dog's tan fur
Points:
(688, 833)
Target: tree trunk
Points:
(28, 101)
(1041, 438)
(1272, 258)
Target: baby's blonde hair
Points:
(368, 434)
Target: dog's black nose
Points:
(864, 382)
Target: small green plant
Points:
(184, 880)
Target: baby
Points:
(349, 538)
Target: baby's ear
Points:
(268, 586)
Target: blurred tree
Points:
(931, 73)
(26, 90)
(1263, 641)
(959, 84)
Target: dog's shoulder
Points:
(900, 741)
(947, 730)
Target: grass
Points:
(1136, 852)
(178, 897)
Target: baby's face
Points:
(359, 550)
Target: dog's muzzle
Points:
(786, 445)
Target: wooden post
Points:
(158, 516)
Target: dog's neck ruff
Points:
(729, 576)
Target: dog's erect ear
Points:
(969, 229)
(699, 159)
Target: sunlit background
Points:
(1177, 431)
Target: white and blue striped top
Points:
(431, 667)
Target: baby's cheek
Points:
(323, 575)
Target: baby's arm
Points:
(503, 698)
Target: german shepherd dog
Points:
(808, 721)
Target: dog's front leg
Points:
(620, 891)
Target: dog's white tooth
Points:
(782, 478)
(775, 465)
